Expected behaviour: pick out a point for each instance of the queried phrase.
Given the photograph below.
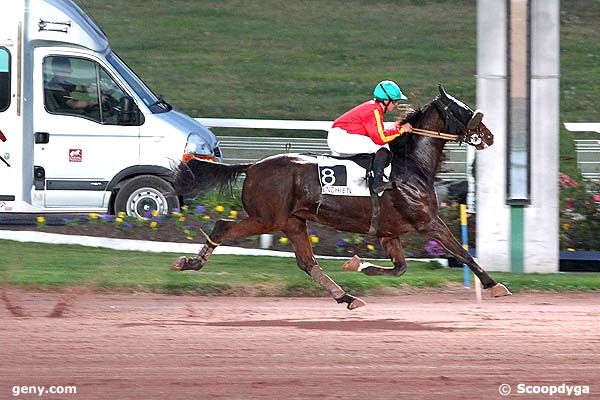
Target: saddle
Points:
(364, 161)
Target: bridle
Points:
(469, 133)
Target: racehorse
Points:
(282, 192)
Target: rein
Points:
(438, 135)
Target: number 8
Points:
(327, 176)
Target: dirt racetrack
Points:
(424, 345)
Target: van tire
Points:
(145, 193)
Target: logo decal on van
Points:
(6, 155)
(75, 155)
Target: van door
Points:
(80, 145)
(10, 188)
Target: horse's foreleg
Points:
(393, 248)
(296, 232)
(223, 229)
(440, 232)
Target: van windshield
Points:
(154, 103)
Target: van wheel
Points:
(145, 194)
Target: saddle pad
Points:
(341, 177)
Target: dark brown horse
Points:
(282, 192)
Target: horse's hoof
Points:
(351, 301)
(356, 303)
(500, 290)
(179, 264)
(352, 264)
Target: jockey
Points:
(361, 130)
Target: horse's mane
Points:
(405, 156)
(405, 142)
(413, 117)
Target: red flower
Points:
(566, 181)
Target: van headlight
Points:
(197, 147)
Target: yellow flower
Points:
(206, 217)
(153, 224)
(176, 214)
(189, 238)
(184, 208)
(40, 220)
(119, 219)
(93, 216)
(571, 249)
(187, 232)
(314, 239)
(566, 227)
(182, 219)
(233, 214)
(370, 247)
(283, 240)
(121, 215)
(219, 209)
(155, 213)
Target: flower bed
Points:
(579, 218)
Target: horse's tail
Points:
(198, 176)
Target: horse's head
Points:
(461, 120)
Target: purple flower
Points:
(434, 249)
(107, 217)
(340, 243)
(148, 214)
(201, 209)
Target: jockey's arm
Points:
(380, 135)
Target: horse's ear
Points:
(442, 91)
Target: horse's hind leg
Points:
(440, 232)
(223, 229)
(296, 231)
(393, 248)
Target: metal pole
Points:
(465, 242)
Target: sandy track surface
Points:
(417, 346)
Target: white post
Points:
(493, 214)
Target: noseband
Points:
(470, 132)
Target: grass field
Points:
(314, 59)
(63, 266)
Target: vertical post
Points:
(266, 240)
(518, 136)
(518, 73)
(493, 250)
(464, 228)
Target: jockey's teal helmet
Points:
(388, 91)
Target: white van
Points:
(79, 131)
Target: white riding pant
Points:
(343, 143)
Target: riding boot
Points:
(379, 163)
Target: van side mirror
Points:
(128, 113)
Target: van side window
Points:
(4, 79)
(73, 86)
(70, 87)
